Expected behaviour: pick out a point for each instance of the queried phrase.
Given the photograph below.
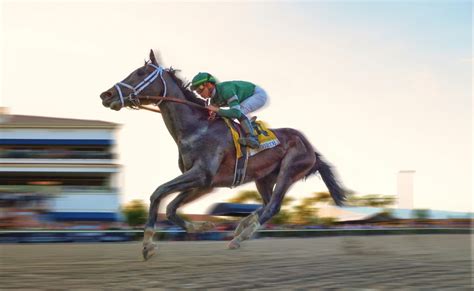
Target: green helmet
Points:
(201, 78)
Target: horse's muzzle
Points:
(111, 100)
(107, 98)
(106, 95)
(115, 105)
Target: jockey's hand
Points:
(212, 108)
(212, 115)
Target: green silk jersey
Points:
(231, 94)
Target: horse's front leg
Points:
(194, 178)
(185, 198)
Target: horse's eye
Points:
(141, 72)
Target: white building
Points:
(70, 161)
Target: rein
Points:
(171, 99)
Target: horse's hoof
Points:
(233, 245)
(149, 250)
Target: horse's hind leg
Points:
(294, 166)
(269, 211)
(265, 188)
(281, 188)
(182, 199)
(288, 176)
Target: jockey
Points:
(240, 96)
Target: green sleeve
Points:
(230, 113)
(229, 94)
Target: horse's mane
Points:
(190, 96)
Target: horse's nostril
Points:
(105, 95)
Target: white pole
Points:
(405, 189)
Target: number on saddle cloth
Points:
(257, 126)
(266, 137)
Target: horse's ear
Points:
(152, 58)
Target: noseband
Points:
(132, 97)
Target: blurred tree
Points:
(282, 217)
(322, 197)
(421, 214)
(253, 196)
(247, 196)
(327, 221)
(371, 200)
(135, 213)
(305, 212)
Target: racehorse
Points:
(207, 154)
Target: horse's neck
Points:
(182, 121)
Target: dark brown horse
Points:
(207, 154)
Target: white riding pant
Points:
(254, 102)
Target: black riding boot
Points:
(250, 138)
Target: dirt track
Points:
(379, 262)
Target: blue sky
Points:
(377, 86)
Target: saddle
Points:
(266, 138)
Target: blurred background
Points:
(62, 174)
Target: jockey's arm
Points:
(234, 108)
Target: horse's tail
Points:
(335, 188)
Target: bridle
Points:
(135, 98)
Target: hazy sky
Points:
(377, 86)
